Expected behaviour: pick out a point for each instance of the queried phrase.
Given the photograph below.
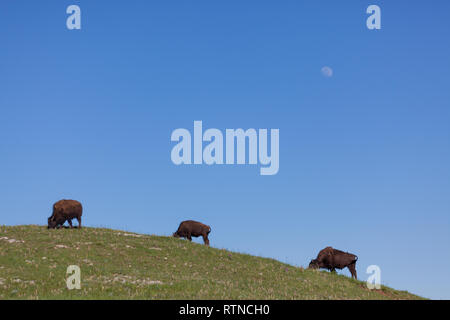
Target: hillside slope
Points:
(122, 265)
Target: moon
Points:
(327, 72)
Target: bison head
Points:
(52, 223)
(314, 264)
(176, 235)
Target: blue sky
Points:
(364, 155)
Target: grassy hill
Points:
(122, 265)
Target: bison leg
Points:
(79, 222)
(205, 239)
(70, 223)
(189, 237)
(352, 269)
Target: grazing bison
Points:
(65, 210)
(332, 259)
(189, 229)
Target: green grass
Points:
(121, 265)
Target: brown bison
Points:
(65, 210)
(189, 229)
(332, 259)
